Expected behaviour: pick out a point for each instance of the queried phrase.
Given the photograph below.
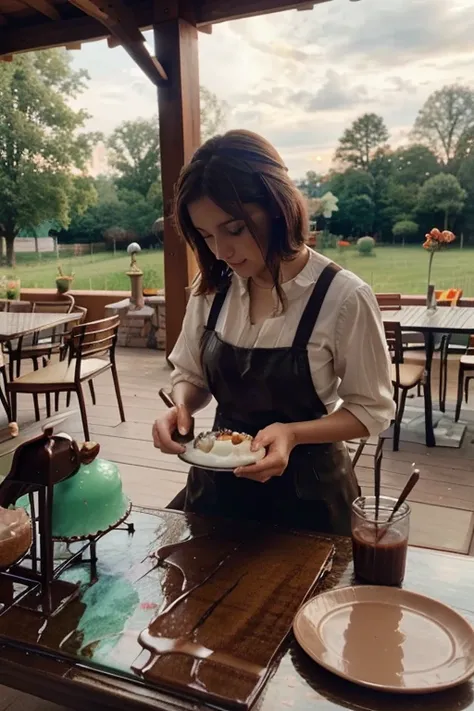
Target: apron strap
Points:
(216, 306)
(313, 307)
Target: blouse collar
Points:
(296, 286)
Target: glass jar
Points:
(379, 547)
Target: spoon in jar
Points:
(412, 481)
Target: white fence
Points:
(27, 244)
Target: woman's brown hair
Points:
(231, 170)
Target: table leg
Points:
(429, 432)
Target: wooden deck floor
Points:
(442, 503)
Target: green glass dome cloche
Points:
(90, 502)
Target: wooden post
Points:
(176, 47)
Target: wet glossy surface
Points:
(386, 638)
(202, 608)
(129, 582)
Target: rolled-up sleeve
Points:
(362, 361)
(186, 356)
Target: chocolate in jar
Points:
(379, 554)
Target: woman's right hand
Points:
(175, 418)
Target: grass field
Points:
(405, 269)
(100, 271)
(399, 269)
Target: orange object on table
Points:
(452, 296)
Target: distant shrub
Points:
(405, 230)
(366, 246)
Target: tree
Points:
(466, 180)
(405, 231)
(213, 113)
(362, 142)
(442, 194)
(310, 185)
(355, 191)
(40, 147)
(134, 154)
(414, 165)
(106, 189)
(134, 149)
(361, 208)
(444, 119)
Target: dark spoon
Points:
(177, 436)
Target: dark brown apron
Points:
(254, 388)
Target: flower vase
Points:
(431, 298)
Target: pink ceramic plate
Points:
(387, 639)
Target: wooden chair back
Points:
(81, 317)
(389, 302)
(19, 307)
(393, 336)
(94, 340)
(53, 307)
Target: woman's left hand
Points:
(279, 441)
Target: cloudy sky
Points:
(300, 78)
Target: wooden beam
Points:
(91, 9)
(176, 44)
(224, 10)
(44, 7)
(86, 29)
(119, 20)
(206, 29)
(112, 42)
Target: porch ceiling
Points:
(37, 24)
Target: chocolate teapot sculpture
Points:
(69, 494)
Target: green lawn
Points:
(399, 269)
(100, 271)
(405, 269)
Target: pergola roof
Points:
(38, 24)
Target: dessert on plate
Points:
(222, 449)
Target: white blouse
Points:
(347, 351)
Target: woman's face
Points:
(229, 239)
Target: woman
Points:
(279, 335)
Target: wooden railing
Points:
(96, 301)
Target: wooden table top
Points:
(13, 325)
(444, 319)
(297, 682)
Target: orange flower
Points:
(434, 234)
(435, 239)
(343, 243)
(447, 237)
